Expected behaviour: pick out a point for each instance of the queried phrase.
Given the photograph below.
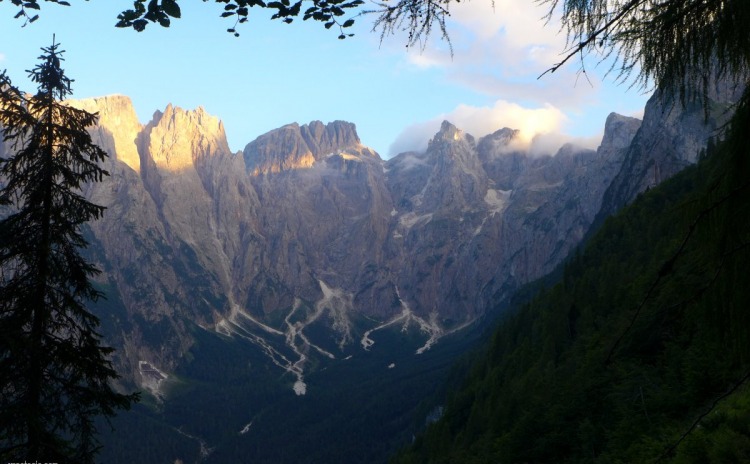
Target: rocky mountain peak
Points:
(118, 126)
(299, 147)
(177, 137)
(447, 133)
(671, 137)
(325, 139)
(619, 131)
(351, 245)
(456, 177)
(506, 134)
(498, 142)
(453, 144)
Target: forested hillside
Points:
(641, 351)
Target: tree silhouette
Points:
(54, 374)
(328, 12)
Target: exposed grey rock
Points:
(476, 221)
(619, 131)
(670, 138)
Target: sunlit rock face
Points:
(180, 150)
(262, 155)
(325, 222)
(307, 227)
(118, 127)
(176, 139)
(171, 227)
(299, 147)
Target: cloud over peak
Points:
(540, 129)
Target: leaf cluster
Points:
(326, 11)
(25, 5)
(145, 12)
(155, 12)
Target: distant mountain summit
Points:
(178, 139)
(297, 147)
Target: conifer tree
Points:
(55, 375)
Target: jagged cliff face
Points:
(159, 240)
(475, 221)
(308, 228)
(294, 147)
(671, 137)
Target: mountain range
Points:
(308, 226)
(311, 250)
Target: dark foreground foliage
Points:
(54, 373)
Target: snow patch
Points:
(300, 388)
(205, 451)
(344, 155)
(338, 303)
(246, 428)
(347, 156)
(406, 317)
(391, 365)
(409, 220)
(497, 200)
(335, 303)
(152, 378)
(433, 329)
(237, 324)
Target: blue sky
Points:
(275, 73)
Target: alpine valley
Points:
(304, 299)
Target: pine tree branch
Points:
(593, 36)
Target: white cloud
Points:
(513, 36)
(518, 25)
(549, 143)
(414, 137)
(2, 57)
(540, 128)
(409, 161)
(502, 51)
